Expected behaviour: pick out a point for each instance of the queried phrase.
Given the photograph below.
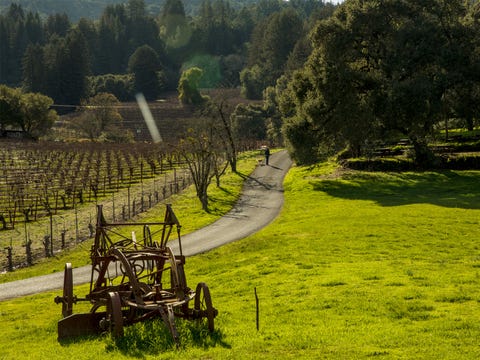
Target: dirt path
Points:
(260, 203)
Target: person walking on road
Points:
(267, 154)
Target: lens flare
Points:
(147, 116)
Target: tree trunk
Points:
(424, 157)
(469, 120)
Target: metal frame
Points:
(132, 281)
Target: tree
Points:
(273, 116)
(37, 116)
(188, 92)
(17, 43)
(174, 28)
(253, 82)
(463, 98)
(4, 50)
(53, 57)
(218, 111)
(141, 28)
(89, 32)
(145, 64)
(376, 67)
(248, 122)
(29, 112)
(272, 42)
(112, 37)
(34, 69)
(75, 67)
(10, 107)
(282, 32)
(57, 24)
(198, 149)
(100, 118)
(121, 86)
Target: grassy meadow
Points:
(357, 266)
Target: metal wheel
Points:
(203, 305)
(147, 236)
(114, 313)
(174, 276)
(171, 325)
(67, 303)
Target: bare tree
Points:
(100, 117)
(218, 110)
(198, 151)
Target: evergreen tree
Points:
(89, 32)
(75, 68)
(174, 28)
(145, 64)
(34, 28)
(34, 69)
(272, 43)
(54, 52)
(57, 24)
(112, 40)
(4, 51)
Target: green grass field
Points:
(357, 266)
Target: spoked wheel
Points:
(67, 303)
(147, 236)
(114, 313)
(171, 325)
(174, 276)
(203, 305)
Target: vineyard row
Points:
(38, 180)
(68, 229)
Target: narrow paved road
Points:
(259, 204)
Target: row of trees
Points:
(128, 50)
(380, 69)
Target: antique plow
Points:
(134, 280)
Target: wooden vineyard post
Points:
(257, 317)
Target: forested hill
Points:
(92, 9)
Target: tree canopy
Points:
(29, 112)
(144, 65)
(56, 56)
(377, 67)
(188, 89)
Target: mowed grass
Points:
(357, 266)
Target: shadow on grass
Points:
(152, 337)
(447, 188)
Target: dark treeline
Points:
(92, 9)
(127, 49)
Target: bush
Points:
(380, 164)
(466, 162)
(119, 85)
(188, 92)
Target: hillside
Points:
(92, 9)
(171, 117)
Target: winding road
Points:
(260, 202)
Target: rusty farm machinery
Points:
(134, 280)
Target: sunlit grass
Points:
(357, 265)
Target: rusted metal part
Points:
(134, 280)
